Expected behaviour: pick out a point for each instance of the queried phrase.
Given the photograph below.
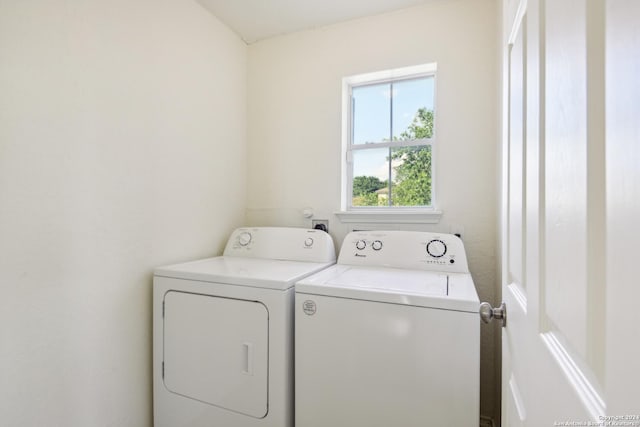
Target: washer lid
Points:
(449, 291)
(403, 281)
(256, 272)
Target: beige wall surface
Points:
(122, 147)
(294, 126)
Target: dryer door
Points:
(216, 351)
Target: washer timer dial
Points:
(436, 248)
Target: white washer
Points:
(389, 336)
(223, 330)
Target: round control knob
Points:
(361, 244)
(308, 242)
(244, 238)
(376, 245)
(436, 248)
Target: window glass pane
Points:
(371, 177)
(371, 113)
(413, 108)
(411, 177)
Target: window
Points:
(388, 134)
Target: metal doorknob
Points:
(488, 313)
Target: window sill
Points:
(376, 216)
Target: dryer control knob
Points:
(244, 239)
(436, 248)
(308, 242)
(376, 245)
(361, 244)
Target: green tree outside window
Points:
(411, 185)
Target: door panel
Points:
(546, 341)
(567, 348)
(516, 215)
(622, 208)
(565, 181)
(216, 351)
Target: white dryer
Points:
(389, 336)
(223, 330)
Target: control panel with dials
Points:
(404, 249)
(296, 244)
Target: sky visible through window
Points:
(372, 119)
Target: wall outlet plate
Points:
(320, 224)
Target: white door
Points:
(571, 212)
(216, 351)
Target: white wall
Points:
(294, 126)
(122, 147)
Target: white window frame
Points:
(383, 214)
